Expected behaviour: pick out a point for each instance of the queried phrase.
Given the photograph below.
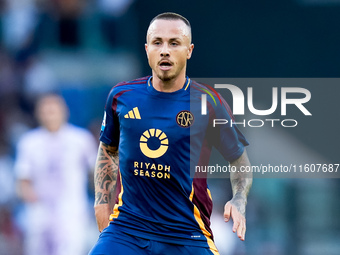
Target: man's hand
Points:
(235, 209)
(27, 192)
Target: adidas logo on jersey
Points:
(133, 114)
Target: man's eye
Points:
(157, 43)
(174, 44)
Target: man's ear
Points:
(146, 50)
(191, 48)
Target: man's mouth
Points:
(165, 65)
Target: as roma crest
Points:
(185, 118)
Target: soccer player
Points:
(53, 163)
(152, 136)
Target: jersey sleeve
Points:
(227, 138)
(109, 133)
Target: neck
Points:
(168, 86)
(54, 128)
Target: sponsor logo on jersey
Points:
(158, 136)
(151, 170)
(185, 118)
(133, 114)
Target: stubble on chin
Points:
(165, 77)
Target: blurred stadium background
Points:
(82, 48)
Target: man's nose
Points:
(165, 51)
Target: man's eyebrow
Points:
(157, 38)
(175, 39)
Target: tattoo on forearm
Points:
(241, 181)
(105, 174)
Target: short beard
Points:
(166, 78)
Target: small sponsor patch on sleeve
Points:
(104, 122)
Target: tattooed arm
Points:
(236, 207)
(105, 178)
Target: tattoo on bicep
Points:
(105, 175)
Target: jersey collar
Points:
(184, 88)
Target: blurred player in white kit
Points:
(52, 166)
